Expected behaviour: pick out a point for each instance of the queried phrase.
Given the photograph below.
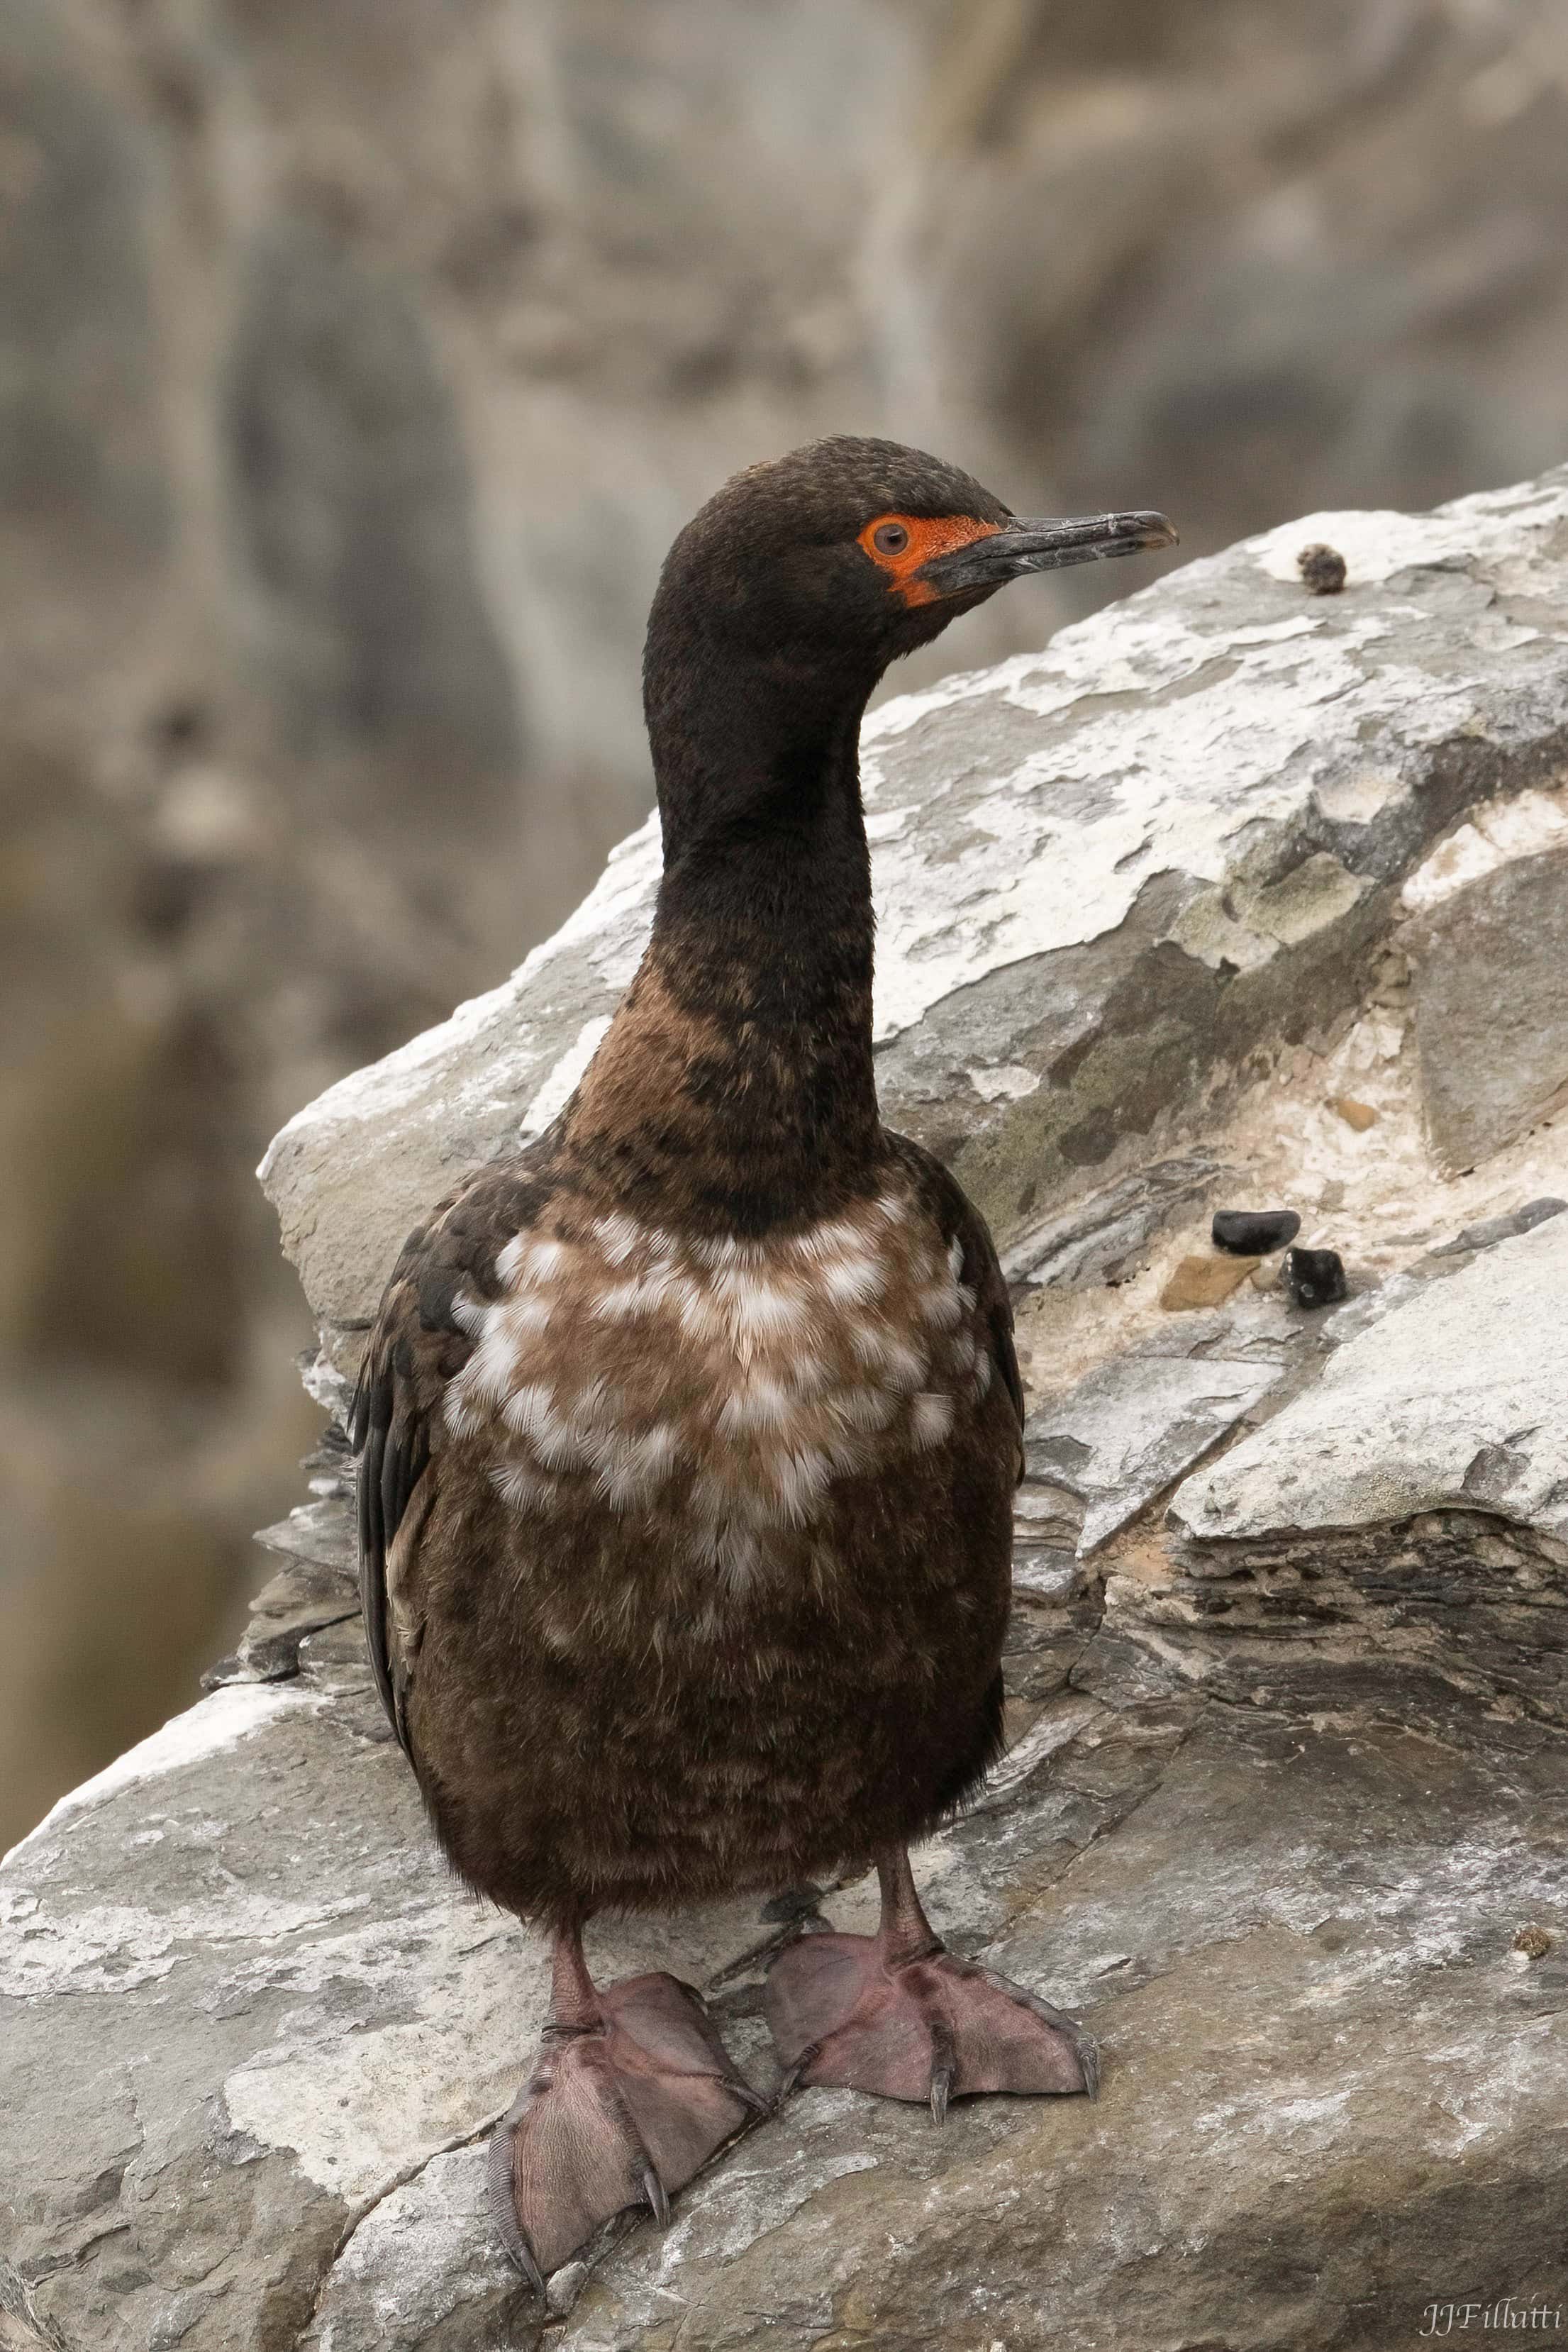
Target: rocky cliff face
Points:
(1196, 909)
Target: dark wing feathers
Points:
(417, 1346)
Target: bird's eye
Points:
(890, 538)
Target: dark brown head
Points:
(783, 601)
(862, 547)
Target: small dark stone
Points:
(1254, 1233)
(1321, 569)
(1314, 1277)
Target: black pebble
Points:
(1254, 1233)
(1314, 1277)
(1321, 569)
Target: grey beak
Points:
(1045, 546)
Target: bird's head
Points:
(843, 555)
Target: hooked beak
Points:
(1046, 546)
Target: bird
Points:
(688, 1433)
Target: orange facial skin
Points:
(927, 536)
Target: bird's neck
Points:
(735, 1087)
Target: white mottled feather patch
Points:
(931, 1417)
(741, 1378)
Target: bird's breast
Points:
(717, 1386)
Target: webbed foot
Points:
(621, 2108)
(898, 2013)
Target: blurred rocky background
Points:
(358, 360)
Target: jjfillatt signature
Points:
(1452, 2318)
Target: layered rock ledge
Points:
(1232, 897)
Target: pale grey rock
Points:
(1102, 1237)
(21, 2327)
(1488, 1231)
(1397, 1530)
(316, 1585)
(1492, 1006)
(1057, 1607)
(1127, 1432)
(321, 1534)
(1106, 874)
(1050, 1574)
(1395, 1619)
(422, 2257)
(1456, 1401)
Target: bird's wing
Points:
(421, 1338)
(981, 1271)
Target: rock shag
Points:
(688, 1435)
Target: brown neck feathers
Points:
(734, 1089)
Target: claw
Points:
(653, 2191)
(503, 2208)
(746, 2096)
(944, 2066)
(941, 2084)
(791, 2081)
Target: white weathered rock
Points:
(1397, 1530)
(1457, 1401)
(1127, 1432)
(1106, 874)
